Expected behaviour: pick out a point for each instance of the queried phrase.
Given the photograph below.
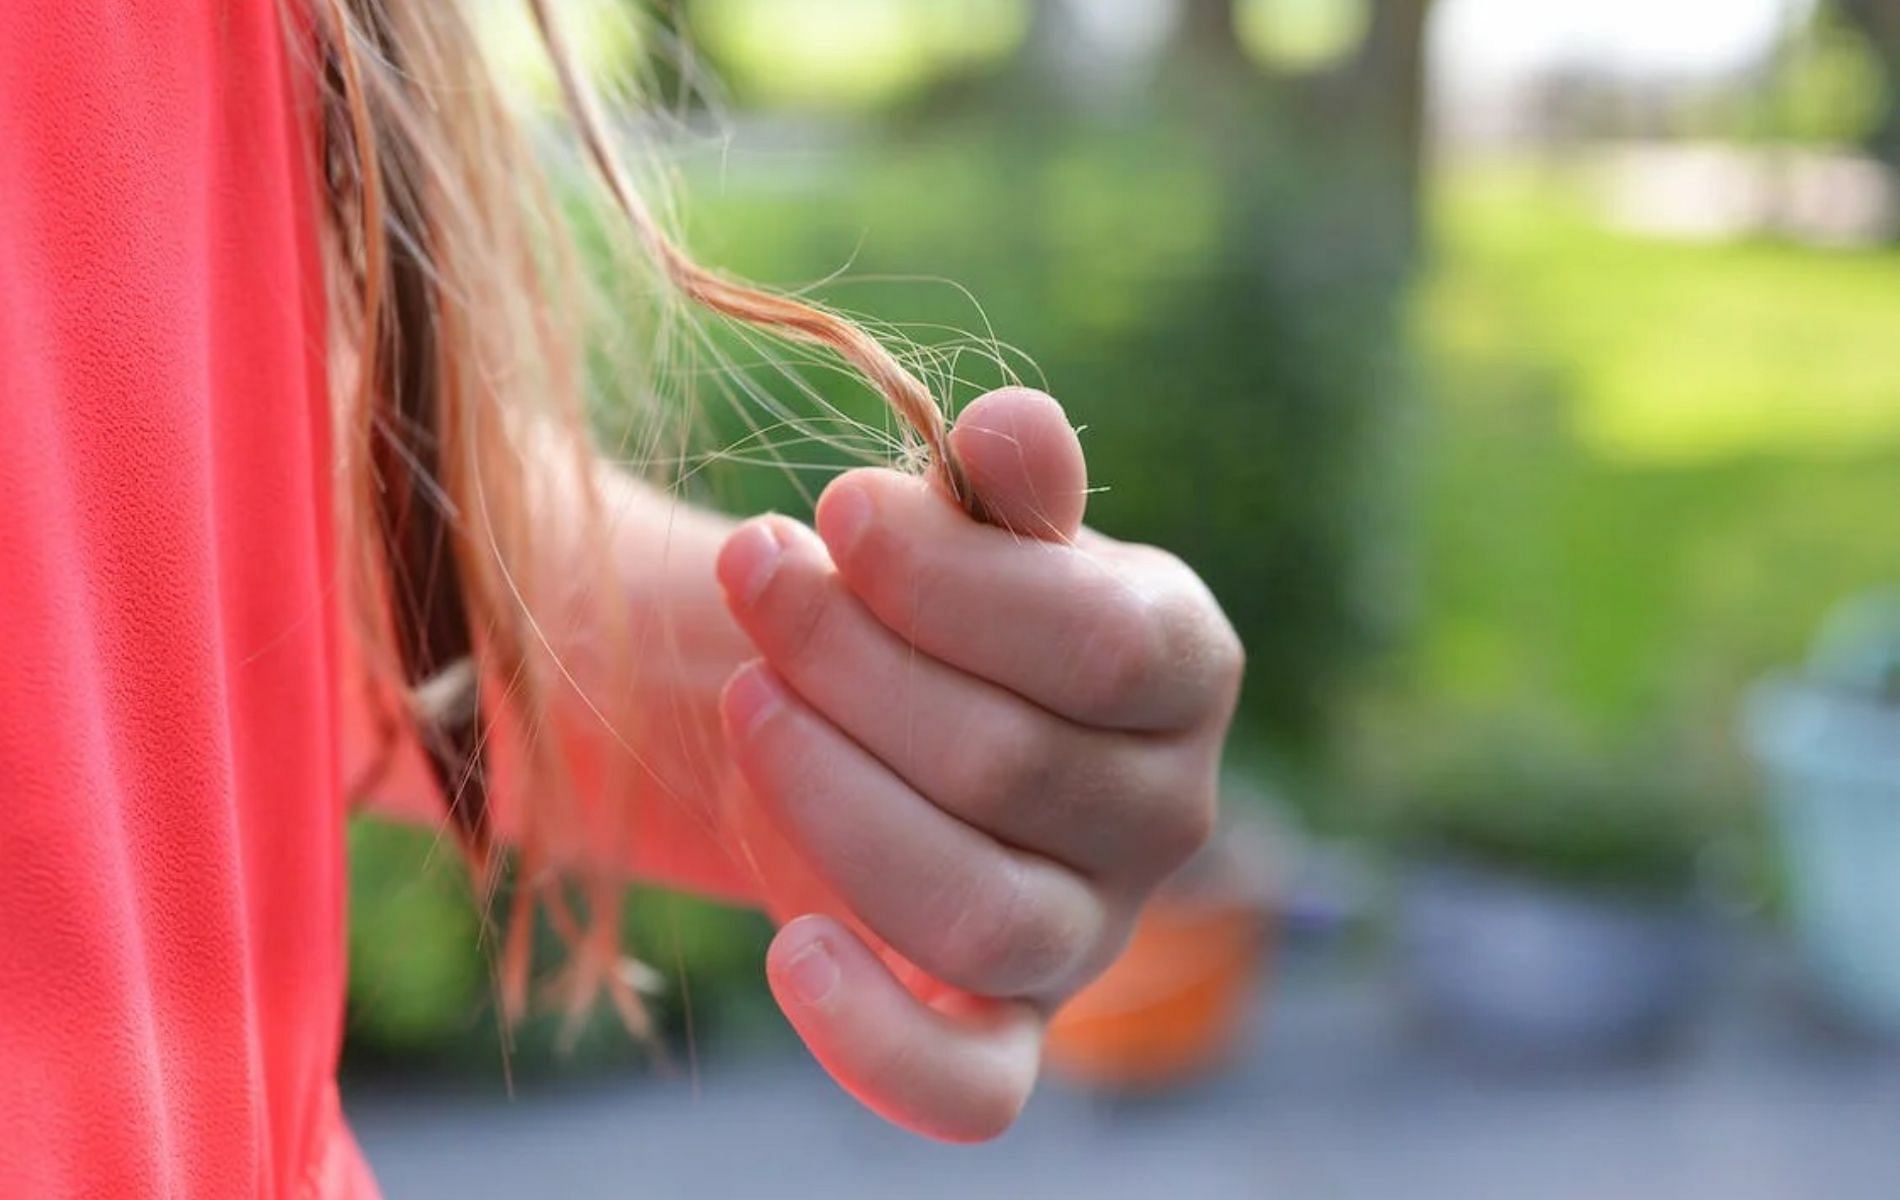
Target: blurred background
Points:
(1525, 381)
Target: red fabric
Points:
(171, 939)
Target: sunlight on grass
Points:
(606, 37)
(1652, 467)
(855, 53)
(1302, 35)
(1670, 352)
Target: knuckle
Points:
(1200, 647)
(782, 763)
(1004, 762)
(884, 548)
(977, 939)
(1166, 809)
(808, 630)
(892, 571)
(1182, 826)
(1162, 563)
(1226, 655)
(1192, 634)
(1009, 941)
(790, 601)
(1231, 655)
(1116, 656)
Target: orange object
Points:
(1174, 1004)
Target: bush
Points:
(421, 984)
(1558, 815)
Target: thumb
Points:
(1024, 463)
(956, 1071)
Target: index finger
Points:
(1090, 639)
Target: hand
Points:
(985, 744)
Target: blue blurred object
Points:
(1521, 971)
(1830, 742)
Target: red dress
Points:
(171, 888)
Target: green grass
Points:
(1670, 353)
(1652, 466)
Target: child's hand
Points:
(989, 745)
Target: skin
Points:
(952, 759)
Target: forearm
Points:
(684, 647)
(636, 706)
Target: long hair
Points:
(458, 305)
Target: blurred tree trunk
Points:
(1047, 62)
(1203, 53)
(1397, 45)
(1365, 117)
(1208, 38)
(1384, 87)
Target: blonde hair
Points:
(456, 296)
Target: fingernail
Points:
(747, 563)
(843, 517)
(751, 697)
(812, 973)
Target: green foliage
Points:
(416, 969)
(1515, 805)
(845, 54)
(1831, 90)
(1302, 35)
(1652, 469)
(421, 984)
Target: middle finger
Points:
(1098, 801)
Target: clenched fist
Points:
(984, 744)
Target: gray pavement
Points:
(1335, 1098)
